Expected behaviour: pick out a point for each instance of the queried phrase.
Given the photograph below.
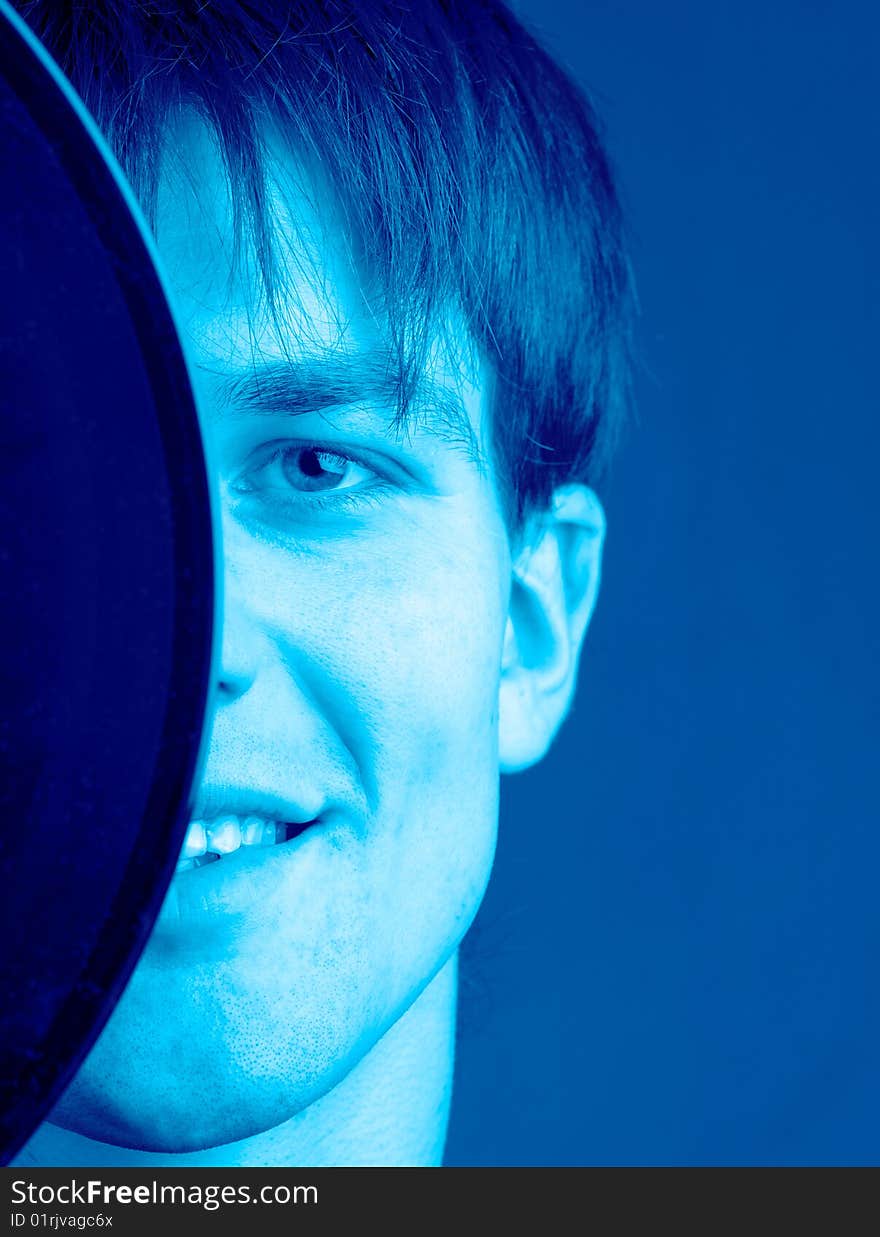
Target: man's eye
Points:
(286, 483)
(315, 470)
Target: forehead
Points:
(214, 273)
(321, 313)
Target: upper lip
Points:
(214, 801)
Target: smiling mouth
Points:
(207, 841)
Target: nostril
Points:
(234, 685)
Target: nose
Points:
(240, 639)
(238, 660)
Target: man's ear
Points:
(553, 592)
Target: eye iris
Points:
(310, 469)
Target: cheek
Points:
(430, 645)
(399, 639)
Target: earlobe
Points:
(553, 594)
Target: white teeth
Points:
(206, 840)
(252, 828)
(224, 835)
(195, 842)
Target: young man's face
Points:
(366, 586)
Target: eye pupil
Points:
(308, 468)
(311, 464)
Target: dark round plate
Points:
(107, 576)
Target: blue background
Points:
(677, 959)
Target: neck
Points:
(391, 1109)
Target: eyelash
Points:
(349, 500)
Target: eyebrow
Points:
(334, 381)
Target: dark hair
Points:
(465, 165)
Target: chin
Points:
(135, 1093)
(215, 1044)
(199, 1113)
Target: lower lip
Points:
(211, 895)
